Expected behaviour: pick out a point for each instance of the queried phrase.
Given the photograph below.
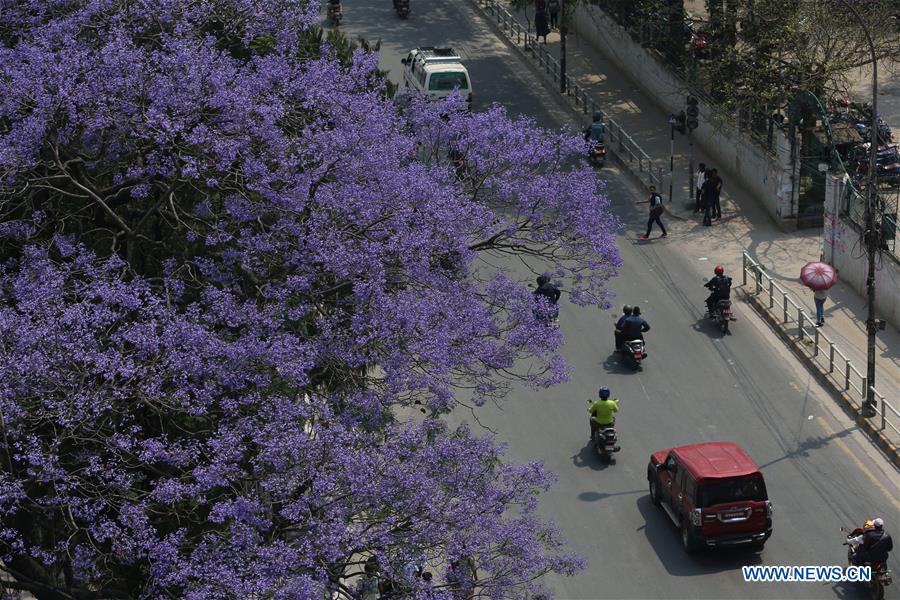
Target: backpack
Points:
(657, 208)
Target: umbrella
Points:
(818, 275)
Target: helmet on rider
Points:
(720, 270)
(604, 392)
(598, 116)
(877, 523)
(542, 279)
(868, 526)
(626, 310)
(636, 311)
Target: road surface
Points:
(696, 385)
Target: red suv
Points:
(714, 493)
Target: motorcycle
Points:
(604, 442)
(547, 317)
(721, 312)
(335, 13)
(634, 351)
(402, 8)
(598, 154)
(881, 575)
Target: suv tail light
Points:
(769, 508)
(696, 517)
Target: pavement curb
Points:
(889, 449)
(566, 99)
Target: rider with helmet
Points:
(596, 131)
(626, 312)
(602, 411)
(633, 327)
(720, 288)
(873, 545)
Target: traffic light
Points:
(693, 112)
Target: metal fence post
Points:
(846, 375)
(800, 323)
(771, 293)
(830, 357)
(883, 418)
(864, 390)
(816, 349)
(744, 269)
(784, 306)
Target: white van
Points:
(436, 72)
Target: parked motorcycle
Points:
(721, 312)
(881, 575)
(605, 442)
(598, 154)
(335, 12)
(402, 8)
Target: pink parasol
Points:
(818, 275)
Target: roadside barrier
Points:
(618, 140)
(793, 320)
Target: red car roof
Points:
(716, 459)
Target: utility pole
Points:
(692, 113)
(563, 30)
(870, 235)
(672, 123)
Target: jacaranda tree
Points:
(241, 288)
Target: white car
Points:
(436, 73)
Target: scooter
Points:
(881, 575)
(598, 154)
(604, 442)
(634, 352)
(402, 8)
(335, 13)
(721, 312)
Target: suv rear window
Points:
(741, 489)
(447, 81)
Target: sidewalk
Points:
(745, 225)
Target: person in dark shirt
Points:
(626, 312)
(633, 327)
(719, 287)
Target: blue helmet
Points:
(604, 392)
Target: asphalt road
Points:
(696, 385)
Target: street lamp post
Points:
(870, 235)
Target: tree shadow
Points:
(809, 444)
(596, 496)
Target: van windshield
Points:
(739, 489)
(447, 81)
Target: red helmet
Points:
(720, 270)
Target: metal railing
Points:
(794, 320)
(622, 144)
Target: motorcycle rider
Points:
(548, 291)
(602, 411)
(720, 288)
(596, 130)
(633, 327)
(626, 312)
(334, 6)
(873, 545)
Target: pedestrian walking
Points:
(819, 297)
(701, 177)
(709, 191)
(541, 21)
(553, 9)
(656, 210)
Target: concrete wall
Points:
(842, 248)
(767, 178)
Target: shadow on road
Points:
(846, 590)
(811, 443)
(666, 542)
(595, 496)
(709, 327)
(587, 457)
(615, 364)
